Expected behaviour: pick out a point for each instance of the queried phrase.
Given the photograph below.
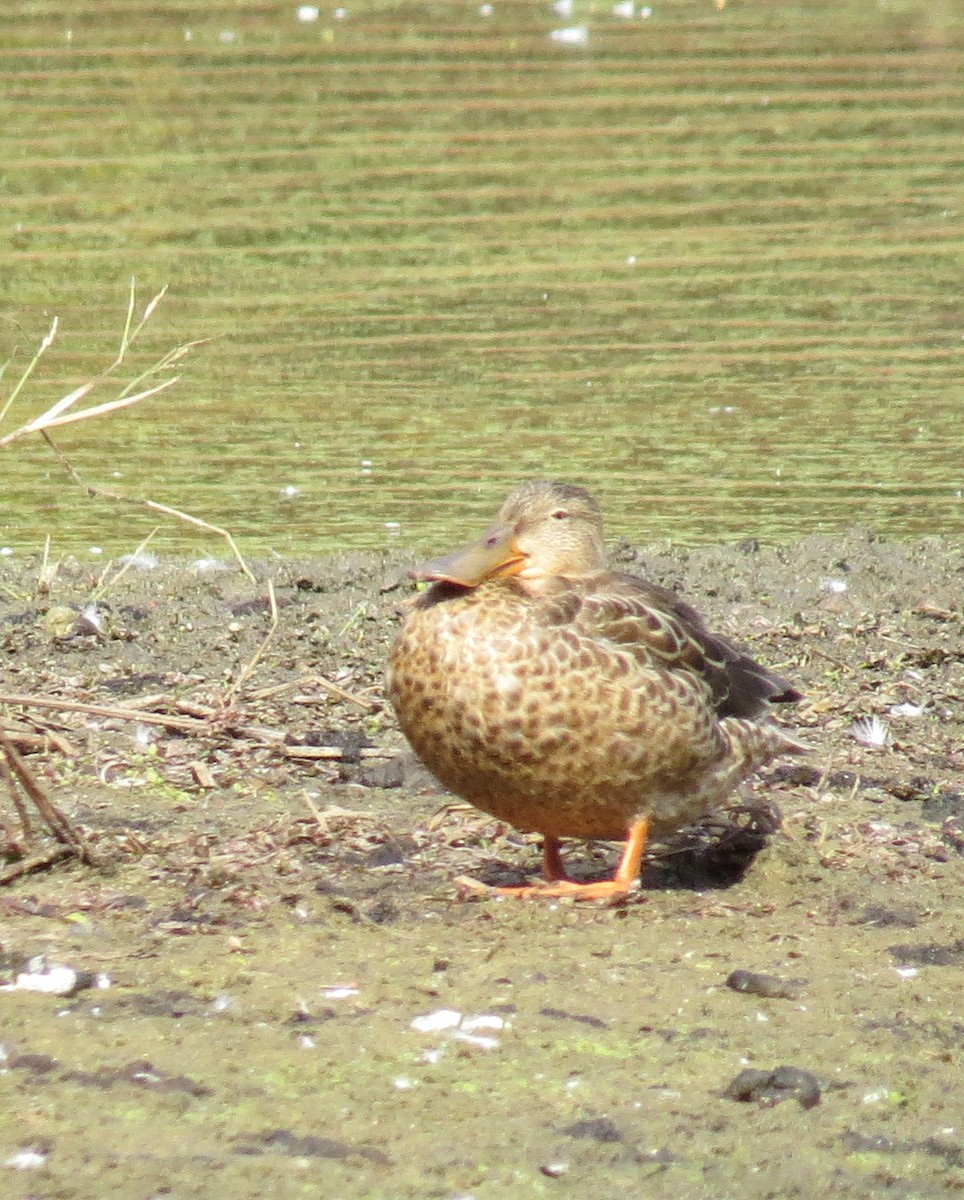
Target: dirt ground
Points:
(271, 909)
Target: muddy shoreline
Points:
(275, 907)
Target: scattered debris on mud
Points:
(238, 908)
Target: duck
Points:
(571, 700)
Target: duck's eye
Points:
(560, 514)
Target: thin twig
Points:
(10, 780)
(151, 506)
(126, 335)
(46, 574)
(111, 712)
(57, 822)
(195, 725)
(335, 690)
(45, 345)
(36, 862)
(335, 753)
(303, 681)
(247, 670)
(104, 582)
(29, 739)
(837, 662)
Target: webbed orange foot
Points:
(605, 889)
(557, 883)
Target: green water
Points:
(708, 262)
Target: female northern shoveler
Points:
(572, 700)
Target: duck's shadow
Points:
(715, 854)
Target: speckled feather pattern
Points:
(574, 711)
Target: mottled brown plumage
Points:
(572, 700)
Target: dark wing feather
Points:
(660, 629)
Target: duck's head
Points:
(543, 531)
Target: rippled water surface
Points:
(706, 260)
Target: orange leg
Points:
(558, 882)
(552, 864)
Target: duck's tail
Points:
(756, 743)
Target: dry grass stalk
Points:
(60, 412)
(65, 412)
(205, 721)
(114, 712)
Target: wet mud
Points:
(268, 985)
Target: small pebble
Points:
(91, 620)
(768, 1088)
(436, 1022)
(459, 1028)
(768, 986)
(27, 1159)
(56, 979)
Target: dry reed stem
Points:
(201, 725)
(59, 413)
(21, 782)
(204, 724)
(110, 712)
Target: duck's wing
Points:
(661, 630)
